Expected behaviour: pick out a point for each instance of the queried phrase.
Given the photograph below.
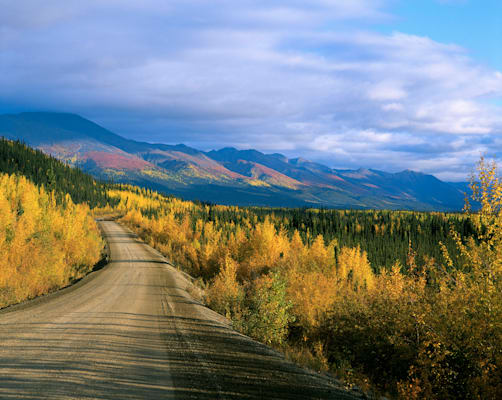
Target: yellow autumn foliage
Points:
(225, 294)
(43, 245)
(428, 332)
(354, 269)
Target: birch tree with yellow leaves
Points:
(44, 245)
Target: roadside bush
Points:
(267, 316)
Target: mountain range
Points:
(226, 176)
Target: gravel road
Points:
(132, 331)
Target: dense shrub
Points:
(44, 244)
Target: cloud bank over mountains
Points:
(316, 79)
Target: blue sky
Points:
(474, 25)
(385, 84)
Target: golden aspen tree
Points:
(225, 295)
(322, 257)
(312, 294)
(353, 267)
(44, 245)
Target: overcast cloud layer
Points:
(310, 79)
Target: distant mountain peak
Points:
(228, 175)
(278, 155)
(365, 171)
(227, 150)
(411, 172)
(299, 160)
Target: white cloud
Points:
(392, 107)
(386, 91)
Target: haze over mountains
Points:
(226, 176)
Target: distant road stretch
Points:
(132, 331)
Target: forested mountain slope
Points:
(226, 176)
(47, 171)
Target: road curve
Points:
(132, 331)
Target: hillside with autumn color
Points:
(226, 176)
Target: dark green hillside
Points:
(17, 158)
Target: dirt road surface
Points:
(132, 331)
